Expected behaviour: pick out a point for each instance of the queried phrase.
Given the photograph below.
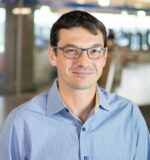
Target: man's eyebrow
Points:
(70, 45)
(94, 45)
(97, 45)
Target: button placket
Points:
(84, 143)
(85, 158)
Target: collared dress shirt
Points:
(43, 129)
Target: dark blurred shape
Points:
(17, 1)
(110, 40)
(84, 5)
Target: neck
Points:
(79, 102)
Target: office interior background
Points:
(24, 38)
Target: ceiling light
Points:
(145, 1)
(104, 3)
(22, 11)
(81, 1)
(45, 9)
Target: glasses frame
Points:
(81, 51)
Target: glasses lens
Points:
(72, 53)
(96, 52)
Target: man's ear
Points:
(52, 56)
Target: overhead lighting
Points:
(45, 9)
(44, 16)
(145, 1)
(81, 1)
(22, 11)
(104, 3)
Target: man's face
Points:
(81, 73)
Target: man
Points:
(75, 119)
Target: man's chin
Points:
(83, 86)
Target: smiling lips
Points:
(83, 73)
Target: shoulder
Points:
(121, 104)
(115, 99)
(37, 105)
(125, 111)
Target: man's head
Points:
(78, 50)
(77, 18)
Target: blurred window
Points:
(129, 29)
(43, 20)
(2, 30)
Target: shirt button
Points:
(85, 158)
(84, 129)
(66, 110)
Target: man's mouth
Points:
(82, 73)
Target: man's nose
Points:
(84, 58)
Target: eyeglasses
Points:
(72, 52)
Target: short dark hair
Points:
(77, 18)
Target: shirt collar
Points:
(103, 99)
(55, 103)
(96, 108)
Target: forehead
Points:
(79, 36)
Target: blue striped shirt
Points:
(43, 129)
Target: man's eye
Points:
(70, 50)
(93, 51)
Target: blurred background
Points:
(24, 38)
